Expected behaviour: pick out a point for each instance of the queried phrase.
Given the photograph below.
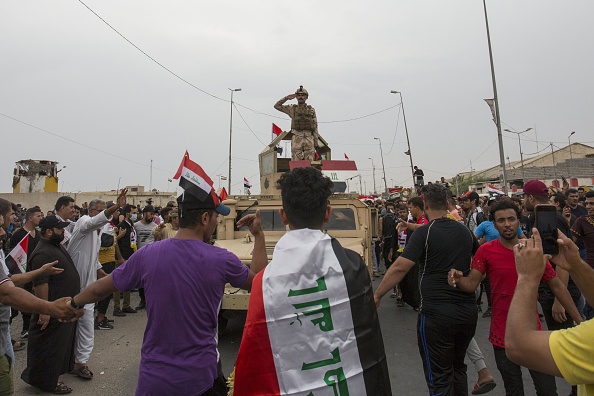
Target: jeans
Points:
(511, 374)
(375, 264)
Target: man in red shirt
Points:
(496, 259)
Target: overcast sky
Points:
(65, 71)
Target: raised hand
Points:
(252, 221)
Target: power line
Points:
(246, 124)
(82, 144)
(204, 91)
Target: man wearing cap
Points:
(304, 125)
(537, 193)
(84, 249)
(51, 343)
(144, 236)
(184, 279)
(11, 296)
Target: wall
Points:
(47, 200)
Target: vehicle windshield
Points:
(270, 219)
(341, 219)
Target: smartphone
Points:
(545, 220)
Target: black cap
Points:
(52, 222)
(188, 201)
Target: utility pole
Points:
(383, 167)
(554, 165)
(373, 168)
(496, 102)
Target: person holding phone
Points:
(496, 259)
(566, 353)
(536, 193)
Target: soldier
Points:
(304, 125)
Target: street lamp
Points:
(373, 167)
(230, 134)
(383, 167)
(520, 144)
(409, 153)
(496, 102)
(569, 140)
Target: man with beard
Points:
(65, 211)
(496, 259)
(51, 343)
(447, 317)
(304, 125)
(84, 249)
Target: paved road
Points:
(117, 354)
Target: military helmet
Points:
(302, 90)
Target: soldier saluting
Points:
(304, 125)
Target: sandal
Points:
(61, 389)
(83, 372)
(18, 346)
(399, 302)
(484, 387)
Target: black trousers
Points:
(511, 374)
(442, 347)
(219, 388)
(103, 304)
(546, 298)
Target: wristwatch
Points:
(74, 305)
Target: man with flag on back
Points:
(184, 279)
(312, 325)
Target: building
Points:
(573, 163)
(32, 176)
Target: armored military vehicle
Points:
(352, 222)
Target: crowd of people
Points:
(437, 253)
(435, 245)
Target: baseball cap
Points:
(212, 201)
(52, 222)
(536, 187)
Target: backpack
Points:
(389, 225)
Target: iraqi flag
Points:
(16, 261)
(246, 183)
(276, 130)
(312, 327)
(223, 194)
(492, 189)
(193, 179)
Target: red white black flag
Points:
(312, 327)
(193, 179)
(16, 261)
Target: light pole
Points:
(230, 135)
(496, 101)
(409, 153)
(383, 167)
(520, 144)
(570, 153)
(373, 168)
(569, 140)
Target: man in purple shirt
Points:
(184, 279)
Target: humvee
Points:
(352, 222)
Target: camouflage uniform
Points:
(304, 126)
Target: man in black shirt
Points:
(536, 193)
(447, 316)
(127, 246)
(32, 218)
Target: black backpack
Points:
(389, 225)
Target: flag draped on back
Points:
(16, 261)
(312, 326)
(193, 179)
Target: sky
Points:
(75, 91)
